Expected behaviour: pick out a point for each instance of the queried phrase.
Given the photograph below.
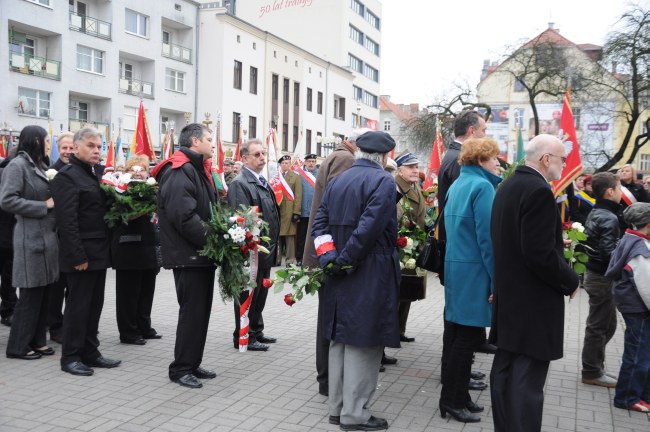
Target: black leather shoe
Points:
(189, 380)
(6, 321)
(257, 346)
(204, 373)
(382, 368)
(139, 341)
(462, 415)
(487, 348)
(323, 389)
(32, 355)
(473, 407)
(56, 338)
(387, 360)
(152, 335)
(477, 385)
(372, 424)
(266, 340)
(478, 376)
(47, 351)
(77, 368)
(335, 420)
(103, 362)
(404, 338)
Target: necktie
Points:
(263, 181)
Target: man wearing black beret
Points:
(355, 235)
(290, 208)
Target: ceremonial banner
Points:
(573, 166)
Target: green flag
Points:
(520, 147)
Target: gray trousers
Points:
(601, 324)
(353, 375)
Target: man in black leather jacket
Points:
(602, 230)
(185, 197)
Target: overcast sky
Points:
(427, 45)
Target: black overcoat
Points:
(531, 274)
(133, 246)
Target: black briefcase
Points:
(412, 287)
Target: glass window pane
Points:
(131, 24)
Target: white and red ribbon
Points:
(627, 196)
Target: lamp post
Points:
(358, 115)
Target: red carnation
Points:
(288, 299)
(566, 225)
(251, 245)
(402, 242)
(240, 219)
(244, 249)
(248, 235)
(267, 283)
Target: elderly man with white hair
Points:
(531, 279)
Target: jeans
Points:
(634, 377)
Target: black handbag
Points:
(432, 256)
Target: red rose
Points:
(248, 235)
(401, 242)
(244, 249)
(240, 219)
(566, 225)
(288, 299)
(267, 283)
(251, 245)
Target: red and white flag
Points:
(573, 166)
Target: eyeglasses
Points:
(562, 158)
(258, 154)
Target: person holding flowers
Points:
(134, 257)
(355, 236)
(185, 198)
(469, 271)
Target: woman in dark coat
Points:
(469, 274)
(25, 192)
(133, 253)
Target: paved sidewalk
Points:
(277, 390)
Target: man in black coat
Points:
(84, 253)
(185, 197)
(531, 279)
(250, 188)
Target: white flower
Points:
(151, 181)
(232, 218)
(255, 231)
(50, 173)
(125, 178)
(238, 234)
(226, 236)
(578, 226)
(401, 265)
(410, 264)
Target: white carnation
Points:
(578, 226)
(151, 181)
(238, 234)
(50, 173)
(410, 264)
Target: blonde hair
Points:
(140, 160)
(475, 150)
(631, 169)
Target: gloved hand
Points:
(336, 268)
(327, 258)
(295, 218)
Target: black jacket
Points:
(640, 194)
(79, 207)
(133, 246)
(246, 190)
(185, 197)
(602, 230)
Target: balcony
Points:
(136, 87)
(35, 65)
(91, 26)
(177, 52)
(76, 124)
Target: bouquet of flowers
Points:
(410, 239)
(575, 234)
(128, 198)
(233, 241)
(303, 280)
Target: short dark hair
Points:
(191, 130)
(464, 120)
(32, 142)
(602, 181)
(243, 150)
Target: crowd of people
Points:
(504, 262)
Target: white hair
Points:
(356, 133)
(377, 158)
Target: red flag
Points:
(239, 142)
(141, 144)
(434, 160)
(3, 149)
(110, 158)
(573, 166)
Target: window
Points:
(78, 110)
(519, 85)
(356, 6)
(285, 137)
(356, 35)
(644, 162)
(20, 45)
(236, 126)
(174, 80)
(519, 118)
(371, 46)
(166, 37)
(357, 92)
(339, 108)
(355, 63)
(237, 75)
(309, 98)
(296, 94)
(252, 127)
(387, 125)
(274, 87)
(34, 102)
(90, 60)
(238, 39)
(370, 99)
(42, 2)
(130, 115)
(372, 19)
(319, 103)
(295, 137)
(285, 91)
(136, 23)
(253, 80)
(371, 73)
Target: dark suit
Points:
(247, 190)
(83, 236)
(531, 280)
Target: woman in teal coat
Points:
(469, 270)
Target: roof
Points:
(402, 112)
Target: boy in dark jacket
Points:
(602, 230)
(630, 270)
